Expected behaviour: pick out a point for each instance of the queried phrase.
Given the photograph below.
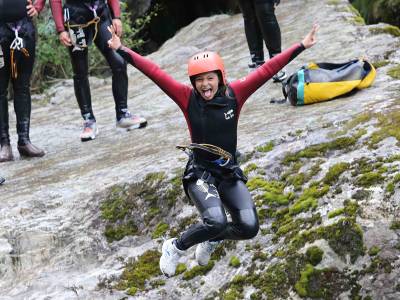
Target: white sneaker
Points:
(90, 131)
(170, 257)
(129, 122)
(280, 76)
(204, 251)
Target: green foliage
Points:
(266, 147)
(314, 255)
(198, 270)
(234, 262)
(374, 250)
(161, 229)
(394, 72)
(139, 271)
(334, 172)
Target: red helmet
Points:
(206, 62)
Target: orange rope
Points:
(14, 69)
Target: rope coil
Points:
(224, 155)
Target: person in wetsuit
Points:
(211, 107)
(17, 56)
(80, 23)
(260, 24)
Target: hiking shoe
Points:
(129, 122)
(89, 131)
(204, 251)
(255, 65)
(170, 257)
(6, 153)
(280, 76)
(30, 150)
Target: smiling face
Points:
(206, 85)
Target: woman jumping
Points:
(211, 107)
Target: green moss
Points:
(160, 230)
(157, 283)
(198, 270)
(369, 179)
(388, 29)
(180, 268)
(138, 272)
(390, 188)
(320, 150)
(132, 208)
(335, 213)
(273, 191)
(380, 64)
(388, 122)
(308, 200)
(119, 231)
(234, 262)
(314, 255)
(345, 237)
(266, 148)
(374, 250)
(249, 168)
(334, 172)
(361, 194)
(395, 225)
(379, 264)
(322, 284)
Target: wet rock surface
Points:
(52, 242)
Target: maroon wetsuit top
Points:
(39, 4)
(57, 11)
(214, 121)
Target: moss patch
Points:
(139, 207)
(234, 262)
(388, 29)
(266, 147)
(139, 271)
(334, 172)
(198, 270)
(314, 255)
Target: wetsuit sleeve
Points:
(178, 92)
(245, 87)
(115, 8)
(39, 4)
(57, 11)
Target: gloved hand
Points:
(2, 180)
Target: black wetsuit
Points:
(21, 84)
(210, 186)
(260, 24)
(80, 13)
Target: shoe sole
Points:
(132, 127)
(90, 138)
(279, 79)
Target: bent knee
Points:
(215, 220)
(248, 225)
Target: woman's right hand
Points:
(65, 39)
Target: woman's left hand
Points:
(117, 24)
(310, 39)
(115, 41)
(31, 10)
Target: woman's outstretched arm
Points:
(177, 91)
(245, 87)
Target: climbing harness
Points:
(17, 44)
(76, 31)
(225, 157)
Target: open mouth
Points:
(207, 93)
